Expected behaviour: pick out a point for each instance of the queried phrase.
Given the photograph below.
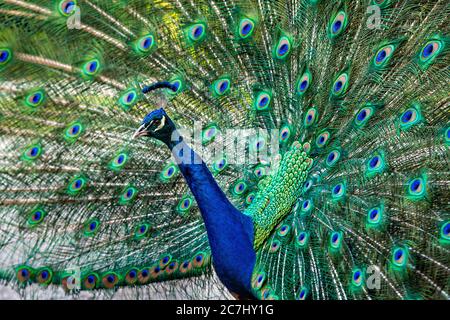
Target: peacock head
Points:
(158, 125)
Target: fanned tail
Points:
(81, 206)
(372, 222)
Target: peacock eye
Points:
(35, 98)
(91, 227)
(144, 275)
(258, 280)
(310, 117)
(156, 122)
(303, 83)
(184, 205)
(283, 48)
(141, 231)
(249, 199)
(91, 67)
(407, 116)
(302, 239)
(357, 277)
(67, 7)
(383, 55)
(333, 157)
(303, 293)
(90, 281)
(338, 191)
(185, 266)
(445, 231)
(307, 185)
(177, 86)
(119, 161)
(306, 206)
(76, 185)
(363, 115)
(283, 230)
(199, 259)
(110, 279)
(24, 273)
(197, 32)
(36, 217)
(400, 257)
(172, 267)
(335, 240)
(417, 187)
(132, 274)
(260, 171)
(145, 43)
(322, 139)
(259, 144)
(375, 216)
(73, 131)
(274, 246)
(239, 187)
(209, 133)
(32, 152)
(128, 99)
(221, 86)
(410, 117)
(262, 101)
(44, 276)
(285, 133)
(168, 172)
(375, 164)
(340, 84)
(5, 56)
(127, 195)
(338, 24)
(430, 50)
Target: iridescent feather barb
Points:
(360, 103)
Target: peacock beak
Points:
(141, 131)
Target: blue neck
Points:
(230, 233)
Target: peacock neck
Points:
(230, 233)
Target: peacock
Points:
(264, 149)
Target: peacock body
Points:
(353, 202)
